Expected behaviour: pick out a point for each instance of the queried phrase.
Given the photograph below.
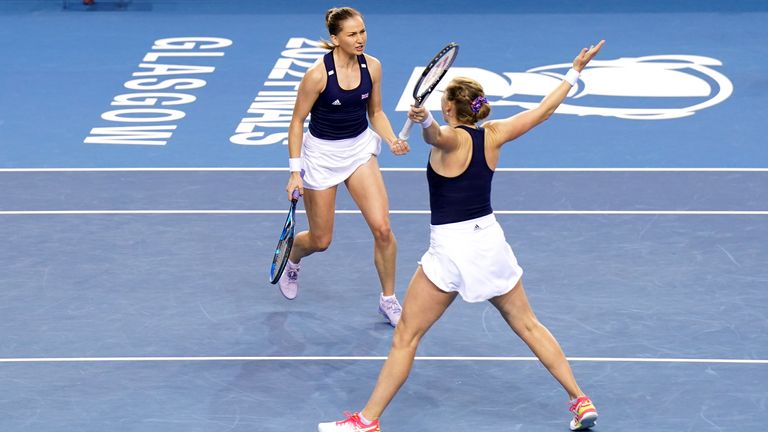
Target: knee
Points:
(404, 338)
(382, 233)
(321, 243)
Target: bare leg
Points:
(424, 304)
(320, 206)
(517, 312)
(366, 186)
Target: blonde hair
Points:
(463, 92)
(333, 19)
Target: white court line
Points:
(401, 212)
(368, 358)
(278, 169)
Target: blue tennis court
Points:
(138, 223)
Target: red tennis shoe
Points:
(584, 414)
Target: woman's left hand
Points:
(586, 55)
(399, 147)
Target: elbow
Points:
(296, 125)
(429, 137)
(545, 114)
(432, 140)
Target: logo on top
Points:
(637, 88)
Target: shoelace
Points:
(350, 418)
(575, 406)
(392, 306)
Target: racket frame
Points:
(287, 235)
(419, 99)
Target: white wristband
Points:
(572, 76)
(294, 164)
(428, 121)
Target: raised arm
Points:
(502, 131)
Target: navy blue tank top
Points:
(339, 113)
(466, 196)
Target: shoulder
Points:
(372, 61)
(317, 69)
(374, 65)
(492, 133)
(315, 76)
(452, 140)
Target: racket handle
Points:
(295, 194)
(406, 131)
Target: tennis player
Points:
(468, 253)
(343, 94)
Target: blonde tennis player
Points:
(468, 253)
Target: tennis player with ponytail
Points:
(343, 94)
(468, 253)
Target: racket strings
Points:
(436, 72)
(280, 253)
(281, 258)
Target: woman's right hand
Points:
(294, 182)
(417, 114)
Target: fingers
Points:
(294, 184)
(587, 54)
(599, 45)
(400, 147)
(416, 113)
(295, 193)
(594, 49)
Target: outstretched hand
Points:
(399, 147)
(586, 55)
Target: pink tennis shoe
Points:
(352, 423)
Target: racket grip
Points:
(295, 194)
(406, 131)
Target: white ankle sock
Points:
(383, 297)
(363, 419)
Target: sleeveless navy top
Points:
(339, 113)
(466, 196)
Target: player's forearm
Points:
(381, 125)
(549, 104)
(295, 138)
(431, 134)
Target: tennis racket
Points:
(433, 73)
(284, 244)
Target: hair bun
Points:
(328, 14)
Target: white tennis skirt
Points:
(472, 258)
(330, 162)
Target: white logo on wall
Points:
(641, 88)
